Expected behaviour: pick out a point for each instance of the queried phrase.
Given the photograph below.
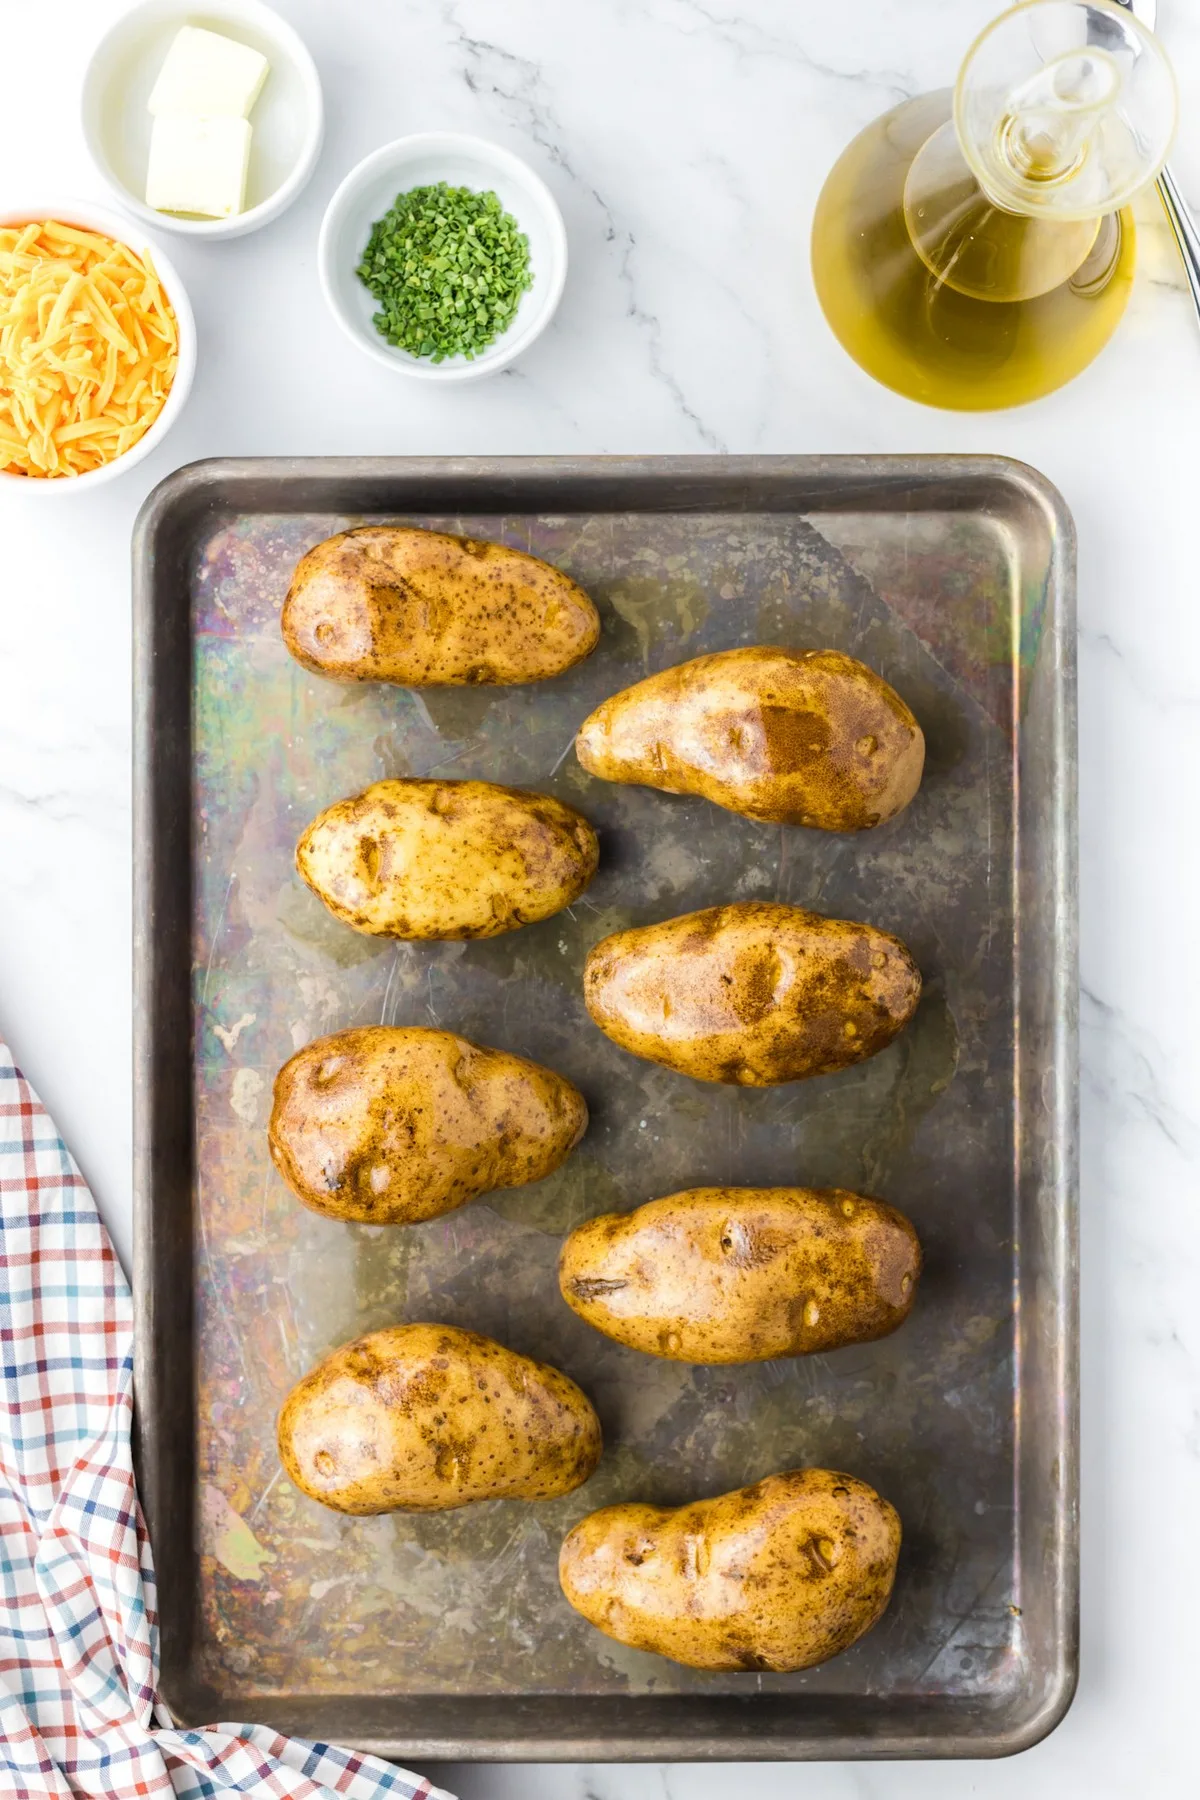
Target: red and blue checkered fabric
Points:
(78, 1629)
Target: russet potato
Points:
(446, 859)
(394, 603)
(392, 1124)
(778, 1576)
(428, 1417)
(736, 1275)
(795, 737)
(754, 993)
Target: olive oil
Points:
(974, 248)
(945, 296)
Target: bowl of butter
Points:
(208, 123)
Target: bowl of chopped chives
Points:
(442, 256)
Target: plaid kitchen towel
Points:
(78, 1629)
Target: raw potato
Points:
(391, 603)
(755, 993)
(777, 1576)
(796, 737)
(428, 1417)
(736, 1275)
(392, 1124)
(446, 859)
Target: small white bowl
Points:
(97, 218)
(288, 116)
(368, 192)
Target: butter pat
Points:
(208, 76)
(198, 165)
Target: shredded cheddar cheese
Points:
(88, 349)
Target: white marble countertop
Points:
(686, 141)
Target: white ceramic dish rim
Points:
(91, 217)
(288, 190)
(397, 153)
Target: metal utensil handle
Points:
(1184, 227)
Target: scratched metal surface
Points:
(294, 1599)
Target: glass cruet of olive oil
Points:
(974, 248)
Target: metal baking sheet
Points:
(445, 1636)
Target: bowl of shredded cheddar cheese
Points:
(97, 346)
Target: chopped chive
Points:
(448, 267)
